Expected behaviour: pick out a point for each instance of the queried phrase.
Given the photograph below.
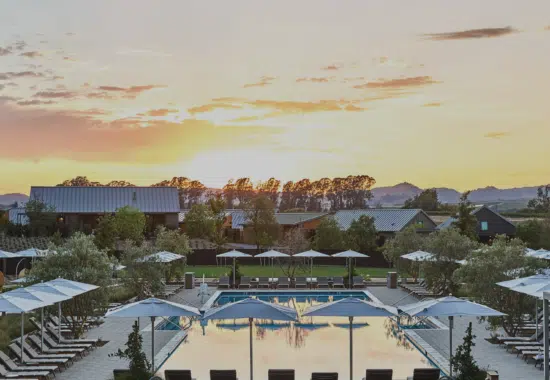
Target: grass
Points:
(266, 271)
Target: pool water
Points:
(315, 344)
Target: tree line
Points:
(325, 194)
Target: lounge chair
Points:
(280, 374)
(358, 282)
(338, 282)
(224, 282)
(300, 283)
(263, 282)
(379, 374)
(223, 374)
(54, 336)
(49, 349)
(31, 357)
(283, 282)
(245, 282)
(12, 367)
(324, 376)
(322, 283)
(5, 374)
(426, 374)
(178, 374)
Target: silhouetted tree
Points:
(542, 202)
(244, 191)
(427, 200)
(466, 222)
(270, 189)
(287, 197)
(229, 194)
(260, 216)
(80, 181)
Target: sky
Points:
(436, 93)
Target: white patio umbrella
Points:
(449, 307)
(251, 308)
(162, 257)
(272, 254)
(311, 254)
(350, 255)
(418, 256)
(351, 307)
(234, 255)
(153, 307)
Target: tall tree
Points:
(195, 191)
(542, 202)
(41, 217)
(229, 194)
(356, 191)
(302, 193)
(244, 191)
(199, 222)
(142, 275)
(260, 216)
(427, 200)
(82, 181)
(405, 241)
(120, 184)
(535, 233)
(217, 206)
(172, 241)
(287, 197)
(270, 189)
(130, 224)
(361, 235)
(463, 361)
(328, 235)
(105, 235)
(319, 192)
(466, 222)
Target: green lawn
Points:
(265, 271)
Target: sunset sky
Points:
(436, 93)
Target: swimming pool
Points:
(315, 344)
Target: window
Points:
(484, 226)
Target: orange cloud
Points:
(434, 104)
(315, 80)
(264, 81)
(31, 54)
(212, 107)
(398, 83)
(35, 102)
(130, 92)
(161, 112)
(331, 67)
(496, 135)
(21, 74)
(472, 34)
(55, 94)
(352, 108)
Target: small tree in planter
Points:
(140, 368)
(463, 362)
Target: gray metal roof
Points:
(293, 218)
(385, 220)
(448, 222)
(82, 200)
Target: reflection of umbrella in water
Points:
(283, 299)
(355, 325)
(311, 326)
(272, 326)
(232, 326)
(322, 299)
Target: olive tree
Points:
(130, 224)
(405, 241)
(294, 242)
(142, 275)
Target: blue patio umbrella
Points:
(350, 255)
(449, 307)
(272, 254)
(355, 326)
(234, 255)
(232, 326)
(252, 309)
(311, 254)
(311, 326)
(273, 326)
(153, 307)
(351, 307)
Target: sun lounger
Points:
(178, 374)
(324, 376)
(322, 283)
(245, 282)
(379, 374)
(300, 283)
(31, 357)
(224, 282)
(53, 335)
(12, 367)
(263, 282)
(283, 282)
(338, 282)
(358, 282)
(280, 374)
(426, 374)
(5, 374)
(49, 349)
(223, 374)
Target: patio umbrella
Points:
(349, 255)
(311, 326)
(273, 326)
(232, 326)
(234, 255)
(162, 257)
(351, 307)
(418, 256)
(449, 307)
(252, 308)
(153, 307)
(355, 326)
(311, 254)
(272, 255)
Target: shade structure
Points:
(418, 256)
(351, 307)
(234, 255)
(232, 326)
(350, 255)
(311, 326)
(449, 307)
(272, 254)
(6, 255)
(162, 257)
(153, 307)
(252, 308)
(273, 326)
(21, 280)
(311, 254)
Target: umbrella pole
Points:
(537, 317)
(22, 333)
(349, 273)
(153, 344)
(234, 285)
(311, 274)
(350, 348)
(451, 320)
(42, 330)
(251, 357)
(59, 324)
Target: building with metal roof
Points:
(388, 221)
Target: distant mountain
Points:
(8, 199)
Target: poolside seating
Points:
(223, 374)
(338, 282)
(51, 348)
(379, 374)
(324, 376)
(52, 334)
(245, 282)
(6, 374)
(426, 374)
(322, 283)
(280, 374)
(283, 282)
(31, 357)
(358, 282)
(263, 282)
(178, 374)
(12, 367)
(224, 282)
(300, 283)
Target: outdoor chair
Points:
(358, 282)
(324, 376)
(280, 374)
(245, 282)
(322, 282)
(338, 282)
(11, 366)
(426, 374)
(224, 282)
(48, 349)
(54, 336)
(283, 282)
(263, 282)
(300, 283)
(178, 374)
(379, 374)
(223, 374)
(48, 360)
(5, 374)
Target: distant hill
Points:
(8, 199)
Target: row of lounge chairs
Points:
(170, 290)
(289, 374)
(419, 290)
(297, 283)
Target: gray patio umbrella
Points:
(272, 254)
(311, 254)
(350, 255)
(351, 307)
(234, 255)
(251, 308)
(449, 307)
(153, 307)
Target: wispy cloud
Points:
(70, 59)
(55, 94)
(19, 45)
(496, 135)
(31, 54)
(434, 104)
(132, 91)
(5, 51)
(100, 95)
(264, 81)
(213, 106)
(472, 34)
(57, 77)
(161, 112)
(315, 79)
(21, 74)
(398, 83)
(331, 67)
(35, 102)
